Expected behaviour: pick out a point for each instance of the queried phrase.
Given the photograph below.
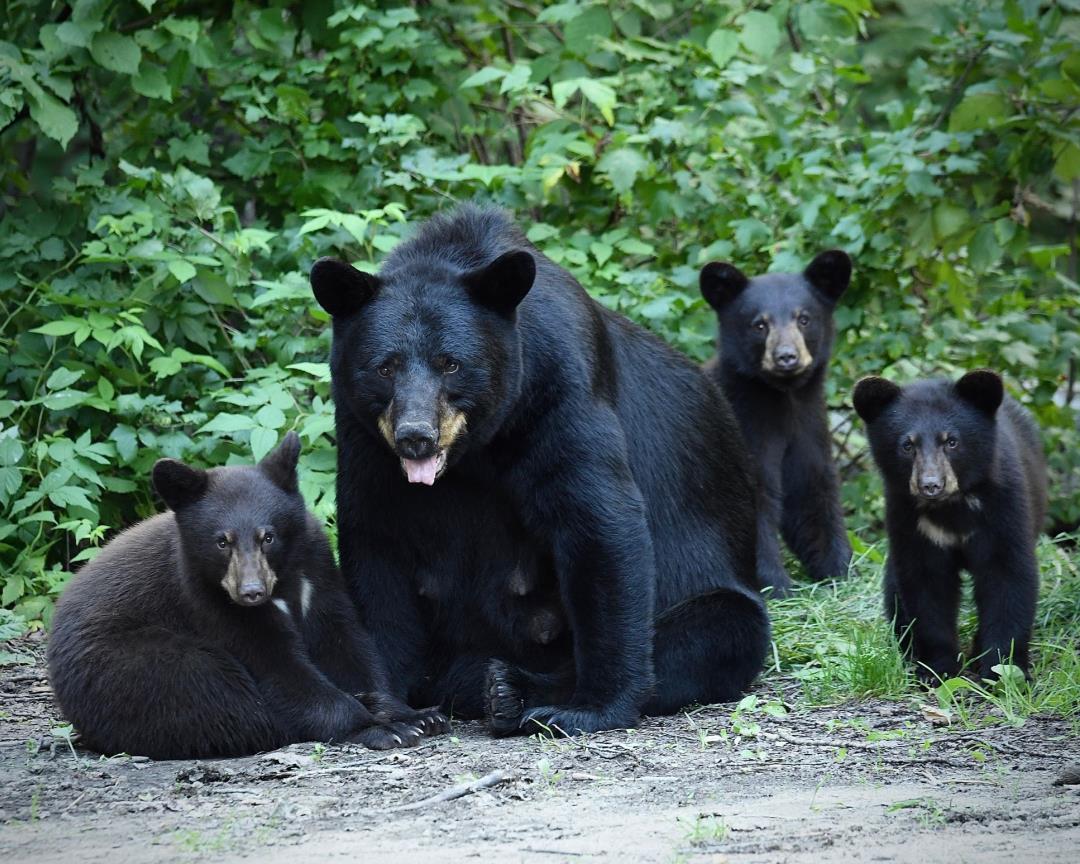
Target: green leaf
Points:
(262, 441)
(116, 53)
(722, 45)
(270, 417)
(151, 81)
(622, 165)
(77, 33)
(602, 96)
(53, 117)
(64, 327)
(228, 423)
(182, 270)
(1067, 166)
(948, 219)
(760, 34)
(483, 76)
(63, 377)
(978, 111)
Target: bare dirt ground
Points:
(865, 781)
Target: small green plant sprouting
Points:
(706, 829)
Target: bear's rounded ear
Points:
(178, 484)
(983, 389)
(340, 288)
(721, 283)
(830, 273)
(503, 284)
(280, 463)
(872, 396)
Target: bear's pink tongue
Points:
(421, 470)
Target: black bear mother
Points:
(545, 513)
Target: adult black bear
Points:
(534, 491)
(221, 628)
(776, 335)
(965, 487)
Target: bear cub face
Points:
(777, 328)
(427, 357)
(933, 438)
(239, 527)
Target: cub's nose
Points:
(252, 594)
(785, 357)
(416, 440)
(931, 488)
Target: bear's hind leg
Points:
(708, 649)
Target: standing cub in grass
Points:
(965, 487)
(221, 628)
(776, 335)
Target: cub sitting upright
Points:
(221, 628)
(965, 487)
(776, 334)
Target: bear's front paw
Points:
(774, 581)
(932, 672)
(504, 699)
(430, 720)
(388, 736)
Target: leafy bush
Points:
(172, 169)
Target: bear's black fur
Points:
(221, 628)
(776, 335)
(581, 507)
(965, 488)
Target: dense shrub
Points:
(171, 169)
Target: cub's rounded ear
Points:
(178, 484)
(983, 389)
(830, 273)
(280, 463)
(340, 288)
(503, 284)
(872, 396)
(721, 283)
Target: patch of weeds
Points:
(547, 773)
(929, 812)
(200, 842)
(65, 733)
(318, 751)
(705, 830)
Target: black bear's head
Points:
(778, 327)
(241, 528)
(933, 439)
(426, 354)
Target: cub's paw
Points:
(774, 582)
(932, 674)
(504, 699)
(388, 736)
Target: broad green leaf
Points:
(262, 441)
(270, 417)
(116, 52)
(602, 96)
(483, 76)
(760, 34)
(228, 423)
(63, 378)
(949, 219)
(979, 111)
(53, 117)
(722, 45)
(622, 165)
(182, 270)
(151, 81)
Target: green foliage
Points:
(172, 169)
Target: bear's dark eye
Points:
(450, 366)
(268, 538)
(222, 542)
(951, 442)
(804, 319)
(760, 326)
(384, 371)
(907, 446)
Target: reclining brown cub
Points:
(221, 628)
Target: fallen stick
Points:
(501, 775)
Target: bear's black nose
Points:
(931, 488)
(785, 357)
(252, 594)
(416, 440)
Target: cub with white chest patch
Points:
(221, 628)
(965, 488)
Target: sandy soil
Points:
(866, 781)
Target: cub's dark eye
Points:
(222, 542)
(760, 326)
(268, 538)
(384, 371)
(804, 319)
(907, 446)
(952, 442)
(450, 366)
